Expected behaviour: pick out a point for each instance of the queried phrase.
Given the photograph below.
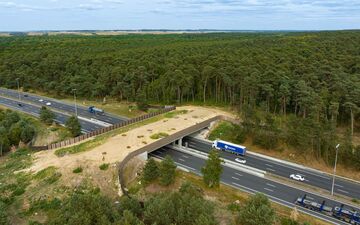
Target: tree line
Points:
(311, 80)
(307, 74)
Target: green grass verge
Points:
(127, 109)
(228, 132)
(100, 139)
(12, 182)
(175, 113)
(45, 173)
(48, 176)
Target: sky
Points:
(33, 15)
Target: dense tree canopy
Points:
(277, 71)
(88, 207)
(314, 76)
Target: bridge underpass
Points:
(176, 137)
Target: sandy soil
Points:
(117, 147)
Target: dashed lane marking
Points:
(271, 185)
(346, 192)
(268, 189)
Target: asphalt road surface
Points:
(35, 111)
(321, 180)
(60, 106)
(279, 193)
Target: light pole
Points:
(336, 157)
(17, 80)
(76, 113)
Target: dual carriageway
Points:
(285, 194)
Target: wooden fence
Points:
(102, 130)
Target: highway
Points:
(34, 110)
(316, 179)
(277, 192)
(60, 106)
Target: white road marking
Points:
(268, 165)
(182, 160)
(235, 178)
(339, 186)
(291, 167)
(182, 165)
(271, 185)
(239, 174)
(271, 169)
(239, 185)
(343, 191)
(309, 197)
(188, 167)
(185, 156)
(268, 189)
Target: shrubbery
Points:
(46, 115)
(14, 129)
(73, 125)
(257, 211)
(88, 206)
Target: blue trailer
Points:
(347, 215)
(93, 109)
(312, 205)
(229, 147)
(340, 213)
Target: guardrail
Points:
(101, 130)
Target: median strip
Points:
(227, 163)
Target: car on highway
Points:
(25, 95)
(41, 100)
(240, 160)
(297, 177)
(48, 103)
(19, 104)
